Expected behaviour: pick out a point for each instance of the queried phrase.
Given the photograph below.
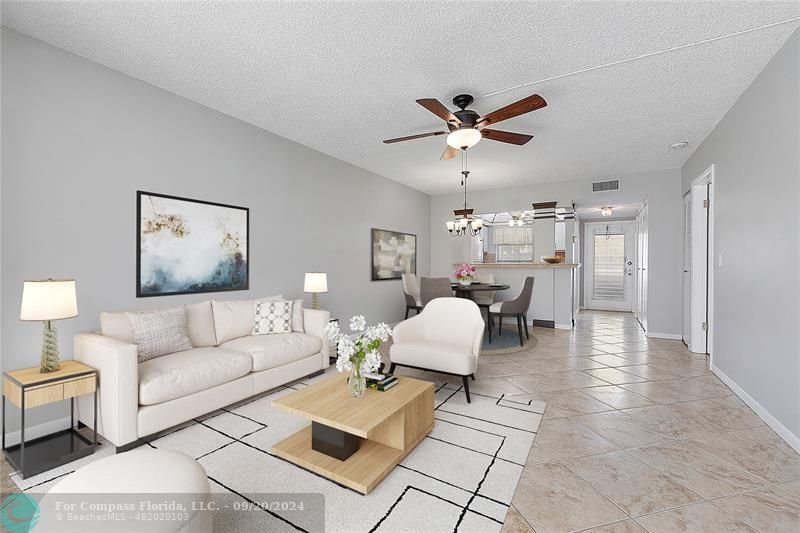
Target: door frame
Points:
(588, 275)
(702, 275)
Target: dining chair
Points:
(412, 293)
(431, 288)
(484, 298)
(518, 307)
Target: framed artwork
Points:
(393, 254)
(186, 246)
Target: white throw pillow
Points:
(158, 333)
(234, 318)
(298, 325)
(272, 317)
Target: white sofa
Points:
(225, 365)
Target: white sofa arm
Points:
(118, 378)
(314, 322)
(409, 330)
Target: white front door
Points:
(609, 272)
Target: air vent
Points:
(605, 186)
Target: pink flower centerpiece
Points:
(465, 273)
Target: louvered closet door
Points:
(687, 266)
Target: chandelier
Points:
(464, 223)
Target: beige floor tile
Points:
(701, 517)
(617, 397)
(762, 460)
(610, 360)
(614, 376)
(564, 438)
(696, 469)
(553, 499)
(579, 349)
(533, 383)
(581, 363)
(620, 429)
(649, 372)
(767, 509)
(611, 348)
(565, 403)
(767, 435)
(515, 522)
(539, 455)
(729, 412)
(623, 526)
(657, 391)
(632, 485)
(671, 421)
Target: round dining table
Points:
(468, 291)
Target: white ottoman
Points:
(144, 471)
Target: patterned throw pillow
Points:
(158, 333)
(272, 317)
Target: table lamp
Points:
(316, 282)
(48, 300)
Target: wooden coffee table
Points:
(356, 442)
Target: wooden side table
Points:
(27, 388)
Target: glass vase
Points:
(465, 281)
(358, 383)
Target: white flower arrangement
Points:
(361, 347)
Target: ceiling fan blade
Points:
(437, 108)
(526, 105)
(411, 137)
(449, 153)
(506, 136)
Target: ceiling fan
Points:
(466, 127)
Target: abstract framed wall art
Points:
(393, 254)
(186, 246)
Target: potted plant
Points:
(465, 274)
(358, 352)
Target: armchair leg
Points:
(491, 324)
(473, 377)
(466, 387)
(391, 368)
(407, 310)
(499, 325)
(519, 329)
(525, 321)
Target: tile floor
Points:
(639, 436)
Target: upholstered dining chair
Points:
(445, 337)
(431, 288)
(485, 298)
(518, 307)
(412, 293)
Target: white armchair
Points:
(446, 337)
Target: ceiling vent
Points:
(605, 186)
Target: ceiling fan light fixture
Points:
(464, 138)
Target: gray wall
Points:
(79, 139)
(660, 188)
(755, 150)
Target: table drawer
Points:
(44, 395)
(79, 386)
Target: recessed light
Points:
(679, 145)
(606, 211)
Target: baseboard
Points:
(669, 336)
(790, 438)
(39, 430)
(563, 326)
(543, 323)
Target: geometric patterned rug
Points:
(461, 477)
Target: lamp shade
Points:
(316, 282)
(48, 299)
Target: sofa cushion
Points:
(234, 318)
(270, 351)
(182, 373)
(199, 320)
(437, 356)
(158, 333)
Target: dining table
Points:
(468, 291)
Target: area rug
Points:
(508, 342)
(461, 477)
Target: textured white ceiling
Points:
(340, 77)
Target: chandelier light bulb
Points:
(477, 223)
(464, 222)
(451, 225)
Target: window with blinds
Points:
(609, 267)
